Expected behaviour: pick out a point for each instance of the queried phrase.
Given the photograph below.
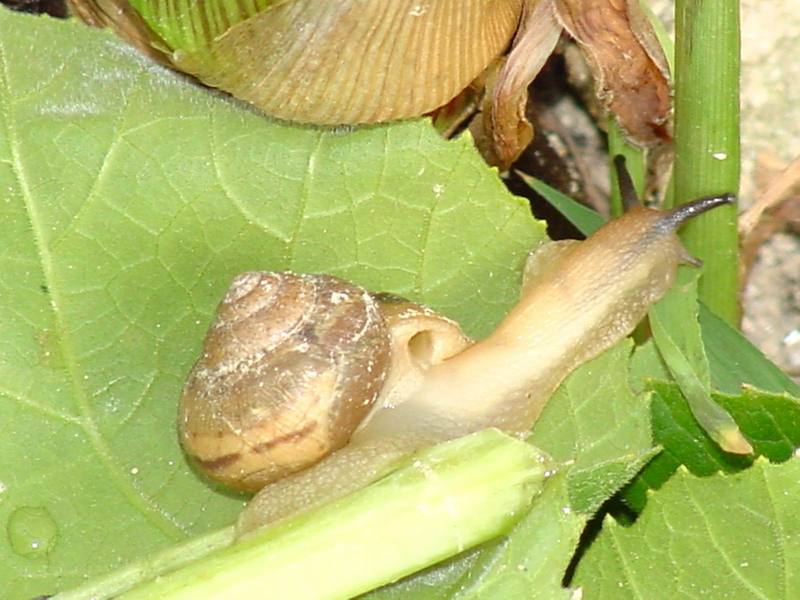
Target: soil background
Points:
(770, 141)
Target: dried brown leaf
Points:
(505, 121)
(629, 67)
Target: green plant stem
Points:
(707, 140)
(440, 502)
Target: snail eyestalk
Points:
(626, 188)
(678, 216)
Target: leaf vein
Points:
(126, 489)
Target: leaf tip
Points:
(731, 440)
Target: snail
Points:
(309, 387)
(350, 62)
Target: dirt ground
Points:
(770, 141)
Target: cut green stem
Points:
(130, 575)
(446, 499)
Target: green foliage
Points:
(598, 426)
(723, 536)
(770, 421)
(676, 333)
(585, 219)
(736, 362)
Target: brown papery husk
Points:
(504, 118)
(629, 67)
(356, 61)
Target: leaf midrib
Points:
(87, 421)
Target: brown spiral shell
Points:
(290, 367)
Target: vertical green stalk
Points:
(707, 139)
(634, 161)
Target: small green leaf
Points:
(732, 536)
(770, 421)
(596, 421)
(584, 219)
(676, 333)
(735, 361)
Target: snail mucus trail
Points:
(310, 387)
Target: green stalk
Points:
(634, 162)
(446, 499)
(707, 140)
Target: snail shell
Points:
(290, 367)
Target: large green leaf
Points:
(130, 198)
(724, 536)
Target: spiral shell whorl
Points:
(296, 360)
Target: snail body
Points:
(417, 378)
